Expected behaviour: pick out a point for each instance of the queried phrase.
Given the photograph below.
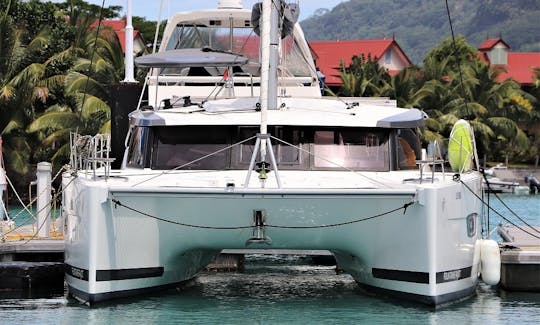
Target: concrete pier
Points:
(31, 268)
(520, 258)
(19, 279)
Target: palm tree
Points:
(494, 108)
(363, 77)
(455, 84)
(19, 89)
(98, 63)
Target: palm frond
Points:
(11, 126)
(93, 105)
(61, 135)
(106, 128)
(54, 121)
(77, 82)
(29, 76)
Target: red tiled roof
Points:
(119, 27)
(329, 54)
(490, 43)
(520, 67)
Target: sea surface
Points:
(289, 290)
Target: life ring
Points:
(460, 147)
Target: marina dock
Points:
(31, 267)
(520, 259)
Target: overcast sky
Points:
(150, 8)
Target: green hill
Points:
(419, 25)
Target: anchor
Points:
(263, 168)
(259, 219)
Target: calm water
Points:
(286, 290)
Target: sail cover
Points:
(180, 58)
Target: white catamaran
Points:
(237, 148)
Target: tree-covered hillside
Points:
(418, 25)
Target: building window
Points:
(388, 56)
(498, 56)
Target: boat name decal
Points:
(454, 275)
(421, 277)
(76, 272)
(451, 275)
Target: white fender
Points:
(476, 267)
(490, 258)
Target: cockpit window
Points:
(191, 148)
(219, 147)
(351, 148)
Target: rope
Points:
(497, 212)
(26, 206)
(506, 206)
(404, 208)
(37, 212)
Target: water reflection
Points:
(276, 290)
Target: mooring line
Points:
(498, 213)
(404, 208)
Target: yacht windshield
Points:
(238, 37)
(225, 147)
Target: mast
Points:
(269, 61)
(129, 74)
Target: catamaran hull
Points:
(125, 241)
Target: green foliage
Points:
(420, 25)
(55, 76)
(453, 84)
(148, 28)
(363, 77)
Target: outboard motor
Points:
(534, 184)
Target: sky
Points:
(150, 8)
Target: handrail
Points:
(218, 79)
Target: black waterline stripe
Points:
(398, 275)
(124, 274)
(111, 275)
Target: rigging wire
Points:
(26, 207)
(331, 162)
(94, 49)
(506, 206)
(462, 87)
(5, 199)
(458, 61)
(194, 161)
(497, 212)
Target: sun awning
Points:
(181, 58)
